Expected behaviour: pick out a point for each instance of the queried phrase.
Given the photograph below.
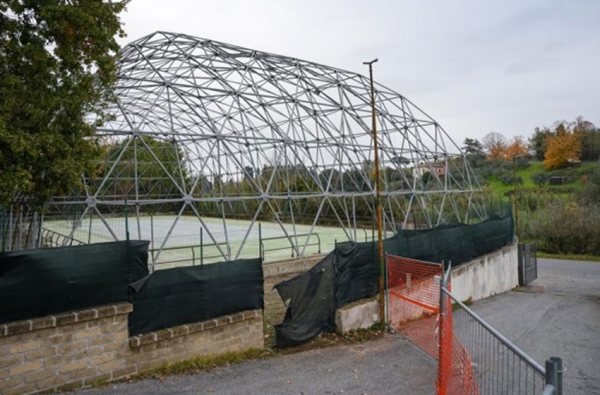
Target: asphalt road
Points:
(389, 365)
(558, 315)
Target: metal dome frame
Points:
(259, 130)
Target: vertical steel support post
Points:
(126, 221)
(90, 228)
(559, 374)
(201, 245)
(152, 236)
(552, 374)
(260, 244)
(377, 199)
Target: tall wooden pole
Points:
(378, 200)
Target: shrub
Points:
(509, 179)
(540, 179)
(567, 228)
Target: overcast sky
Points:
(473, 65)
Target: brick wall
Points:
(74, 350)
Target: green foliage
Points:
(540, 179)
(590, 145)
(57, 66)
(590, 193)
(537, 142)
(567, 228)
(508, 178)
(473, 147)
(150, 178)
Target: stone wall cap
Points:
(188, 329)
(63, 319)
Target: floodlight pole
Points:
(378, 199)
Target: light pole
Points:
(377, 199)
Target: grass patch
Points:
(589, 258)
(203, 363)
(574, 174)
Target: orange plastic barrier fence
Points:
(414, 301)
(414, 296)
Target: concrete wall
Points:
(480, 278)
(487, 275)
(290, 266)
(73, 350)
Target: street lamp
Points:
(377, 198)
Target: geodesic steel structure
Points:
(208, 129)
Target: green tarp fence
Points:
(36, 283)
(351, 271)
(183, 295)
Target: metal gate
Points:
(527, 263)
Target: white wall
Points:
(487, 275)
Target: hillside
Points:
(576, 177)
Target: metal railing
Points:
(500, 367)
(291, 247)
(51, 239)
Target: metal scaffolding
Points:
(207, 129)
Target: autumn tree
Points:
(57, 65)
(517, 147)
(563, 148)
(495, 145)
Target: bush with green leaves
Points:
(566, 227)
(540, 179)
(508, 178)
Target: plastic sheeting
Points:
(183, 295)
(453, 243)
(36, 283)
(351, 271)
(312, 304)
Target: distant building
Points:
(437, 169)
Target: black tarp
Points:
(310, 304)
(453, 243)
(36, 283)
(355, 270)
(183, 295)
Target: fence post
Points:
(559, 374)
(201, 245)
(126, 221)
(152, 236)
(552, 373)
(260, 244)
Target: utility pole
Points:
(378, 199)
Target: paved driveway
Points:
(389, 365)
(559, 315)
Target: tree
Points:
(57, 66)
(537, 142)
(564, 148)
(137, 172)
(495, 144)
(473, 147)
(516, 148)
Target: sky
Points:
(474, 66)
